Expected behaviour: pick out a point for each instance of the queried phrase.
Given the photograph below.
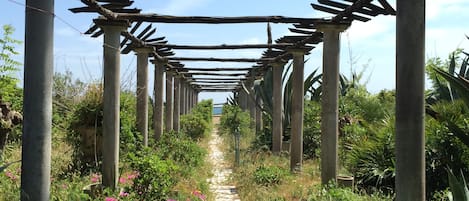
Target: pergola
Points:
(183, 83)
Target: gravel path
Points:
(221, 170)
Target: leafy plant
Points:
(269, 175)
(156, 176)
(8, 66)
(458, 187)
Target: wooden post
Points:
(330, 101)
(277, 102)
(158, 108)
(251, 101)
(258, 114)
(37, 107)
(169, 101)
(142, 92)
(177, 106)
(296, 156)
(410, 113)
(111, 100)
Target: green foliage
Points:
(8, 66)
(197, 124)
(312, 129)
(332, 192)
(182, 150)
(156, 176)
(458, 187)
(269, 175)
(371, 159)
(194, 125)
(233, 120)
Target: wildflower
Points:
(199, 195)
(110, 199)
(95, 178)
(10, 175)
(170, 200)
(122, 180)
(123, 194)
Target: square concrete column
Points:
(142, 92)
(251, 100)
(296, 152)
(410, 112)
(259, 121)
(111, 100)
(158, 108)
(177, 106)
(330, 101)
(277, 102)
(37, 101)
(169, 101)
(182, 97)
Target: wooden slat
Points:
(300, 31)
(148, 34)
(97, 34)
(389, 9)
(335, 11)
(214, 74)
(215, 69)
(344, 6)
(217, 59)
(222, 47)
(92, 29)
(144, 31)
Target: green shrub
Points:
(194, 126)
(182, 150)
(234, 118)
(156, 176)
(269, 175)
(312, 130)
(204, 109)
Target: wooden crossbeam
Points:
(215, 82)
(219, 59)
(217, 90)
(211, 69)
(214, 74)
(222, 47)
(215, 20)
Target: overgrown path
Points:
(219, 183)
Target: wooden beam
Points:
(219, 59)
(215, 82)
(185, 69)
(215, 20)
(215, 74)
(223, 46)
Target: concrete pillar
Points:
(182, 98)
(177, 106)
(296, 153)
(37, 101)
(277, 102)
(410, 113)
(330, 101)
(251, 100)
(158, 108)
(187, 98)
(190, 100)
(169, 101)
(111, 101)
(258, 114)
(142, 92)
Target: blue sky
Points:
(371, 43)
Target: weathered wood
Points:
(185, 69)
(277, 102)
(340, 13)
(169, 102)
(176, 103)
(218, 59)
(142, 93)
(214, 74)
(158, 108)
(215, 82)
(222, 47)
(215, 20)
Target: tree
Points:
(8, 66)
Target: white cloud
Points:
(179, 7)
(436, 8)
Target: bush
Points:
(312, 130)
(182, 150)
(156, 176)
(269, 175)
(234, 118)
(194, 126)
(204, 109)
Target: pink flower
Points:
(122, 180)
(95, 178)
(199, 195)
(10, 175)
(110, 199)
(123, 194)
(170, 200)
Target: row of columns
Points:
(36, 149)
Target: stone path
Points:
(221, 170)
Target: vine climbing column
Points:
(111, 99)
(330, 100)
(142, 92)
